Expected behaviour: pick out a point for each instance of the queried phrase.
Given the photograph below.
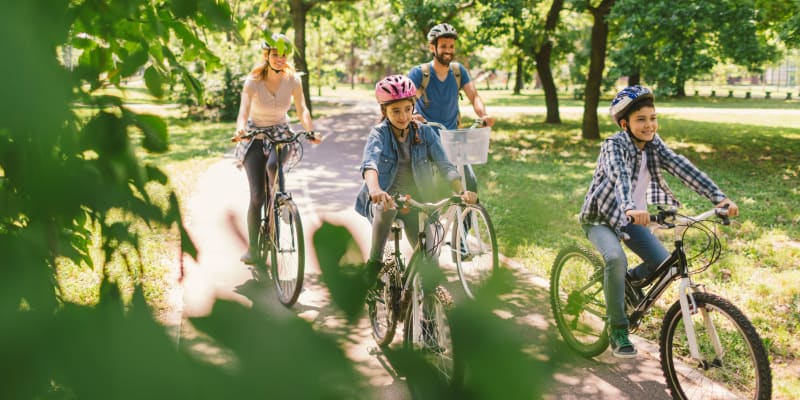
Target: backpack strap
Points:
(426, 77)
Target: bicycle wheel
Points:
(288, 252)
(383, 305)
(427, 330)
(738, 368)
(577, 300)
(474, 248)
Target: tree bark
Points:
(299, 9)
(518, 82)
(543, 64)
(591, 128)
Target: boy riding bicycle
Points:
(627, 178)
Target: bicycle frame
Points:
(677, 267)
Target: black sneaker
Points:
(621, 346)
(637, 283)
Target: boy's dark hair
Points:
(637, 105)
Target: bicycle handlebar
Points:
(251, 133)
(669, 218)
(479, 123)
(428, 208)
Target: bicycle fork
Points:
(688, 308)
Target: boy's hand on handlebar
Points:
(638, 217)
(469, 197)
(733, 209)
(382, 198)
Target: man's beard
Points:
(440, 58)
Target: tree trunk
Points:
(518, 81)
(591, 128)
(299, 10)
(635, 78)
(543, 64)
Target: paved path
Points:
(325, 184)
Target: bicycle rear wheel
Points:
(578, 302)
(288, 252)
(474, 248)
(737, 369)
(383, 305)
(427, 329)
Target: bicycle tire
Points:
(474, 248)
(288, 252)
(383, 310)
(578, 302)
(745, 371)
(427, 332)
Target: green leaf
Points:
(183, 8)
(342, 269)
(155, 132)
(133, 62)
(154, 81)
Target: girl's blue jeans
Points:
(643, 243)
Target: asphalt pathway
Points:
(324, 185)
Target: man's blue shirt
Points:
(442, 96)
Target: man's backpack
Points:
(426, 78)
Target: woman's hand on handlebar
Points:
(733, 209)
(382, 198)
(638, 217)
(469, 197)
(314, 137)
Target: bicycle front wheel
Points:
(474, 248)
(427, 330)
(288, 252)
(733, 364)
(382, 304)
(578, 302)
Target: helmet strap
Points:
(398, 131)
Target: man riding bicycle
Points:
(439, 83)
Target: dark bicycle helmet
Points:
(279, 42)
(623, 100)
(442, 30)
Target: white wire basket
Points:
(466, 146)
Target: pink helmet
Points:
(394, 88)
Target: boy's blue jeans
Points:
(643, 243)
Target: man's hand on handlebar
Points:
(469, 197)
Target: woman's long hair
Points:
(261, 69)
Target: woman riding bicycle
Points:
(627, 178)
(266, 98)
(399, 158)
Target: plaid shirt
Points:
(611, 191)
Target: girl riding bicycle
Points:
(627, 178)
(400, 158)
(266, 98)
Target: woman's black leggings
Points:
(260, 174)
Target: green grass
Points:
(538, 174)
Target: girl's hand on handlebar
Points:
(314, 137)
(469, 197)
(638, 217)
(382, 198)
(238, 136)
(733, 209)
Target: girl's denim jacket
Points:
(427, 155)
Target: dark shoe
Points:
(247, 258)
(637, 283)
(621, 346)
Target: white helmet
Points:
(442, 30)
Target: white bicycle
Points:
(473, 241)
